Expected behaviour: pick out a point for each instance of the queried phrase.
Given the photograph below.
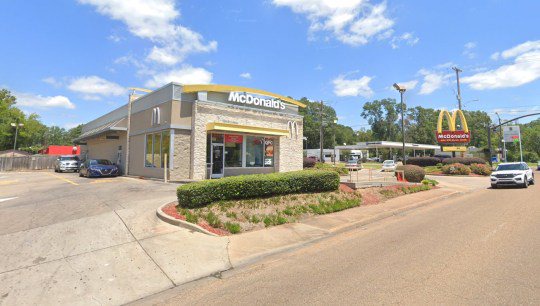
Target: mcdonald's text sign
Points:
(452, 136)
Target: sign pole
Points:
(520, 150)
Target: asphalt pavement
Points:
(479, 248)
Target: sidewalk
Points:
(251, 246)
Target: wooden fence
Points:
(35, 162)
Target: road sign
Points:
(454, 149)
(511, 133)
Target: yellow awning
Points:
(229, 88)
(229, 127)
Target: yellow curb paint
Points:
(63, 179)
(102, 181)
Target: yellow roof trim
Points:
(229, 88)
(219, 126)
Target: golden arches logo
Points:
(452, 120)
(452, 135)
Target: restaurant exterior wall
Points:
(181, 156)
(289, 151)
(103, 148)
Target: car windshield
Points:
(100, 162)
(510, 167)
(69, 158)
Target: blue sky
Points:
(71, 61)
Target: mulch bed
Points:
(171, 211)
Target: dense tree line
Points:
(384, 118)
(34, 135)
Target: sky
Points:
(72, 61)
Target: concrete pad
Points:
(145, 224)
(111, 276)
(38, 245)
(187, 256)
(248, 246)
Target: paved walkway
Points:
(70, 240)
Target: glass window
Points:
(233, 150)
(208, 148)
(254, 151)
(149, 161)
(165, 145)
(268, 152)
(157, 150)
(217, 138)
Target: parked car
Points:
(354, 164)
(513, 174)
(389, 165)
(373, 159)
(66, 163)
(98, 168)
(538, 166)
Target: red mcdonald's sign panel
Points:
(230, 138)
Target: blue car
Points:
(98, 168)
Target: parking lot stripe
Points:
(63, 179)
(8, 182)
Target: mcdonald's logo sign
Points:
(452, 136)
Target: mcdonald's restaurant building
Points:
(195, 132)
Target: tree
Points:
(382, 115)
(422, 124)
(478, 123)
(312, 123)
(8, 114)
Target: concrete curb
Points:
(181, 223)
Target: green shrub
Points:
(340, 169)
(481, 169)
(212, 219)
(233, 228)
(423, 161)
(463, 160)
(430, 182)
(309, 162)
(414, 174)
(456, 169)
(202, 193)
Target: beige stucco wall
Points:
(142, 121)
(181, 156)
(181, 113)
(102, 148)
(289, 150)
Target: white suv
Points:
(519, 174)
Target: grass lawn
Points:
(251, 214)
(372, 166)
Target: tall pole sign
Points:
(449, 139)
(512, 134)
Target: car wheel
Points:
(80, 174)
(526, 183)
(494, 186)
(532, 181)
(59, 171)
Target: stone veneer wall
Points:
(287, 152)
(182, 156)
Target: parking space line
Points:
(99, 181)
(63, 179)
(8, 182)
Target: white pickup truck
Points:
(517, 174)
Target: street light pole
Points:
(334, 141)
(16, 125)
(401, 92)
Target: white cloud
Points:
(115, 38)
(407, 38)
(352, 22)
(524, 69)
(352, 87)
(468, 49)
(432, 80)
(38, 101)
(184, 75)
(245, 75)
(409, 85)
(71, 125)
(52, 81)
(94, 87)
(155, 20)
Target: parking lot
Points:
(72, 240)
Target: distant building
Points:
(61, 150)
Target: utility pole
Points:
(502, 138)
(321, 133)
(457, 70)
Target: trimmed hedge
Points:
(456, 169)
(423, 161)
(202, 193)
(463, 160)
(309, 162)
(481, 169)
(413, 173)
